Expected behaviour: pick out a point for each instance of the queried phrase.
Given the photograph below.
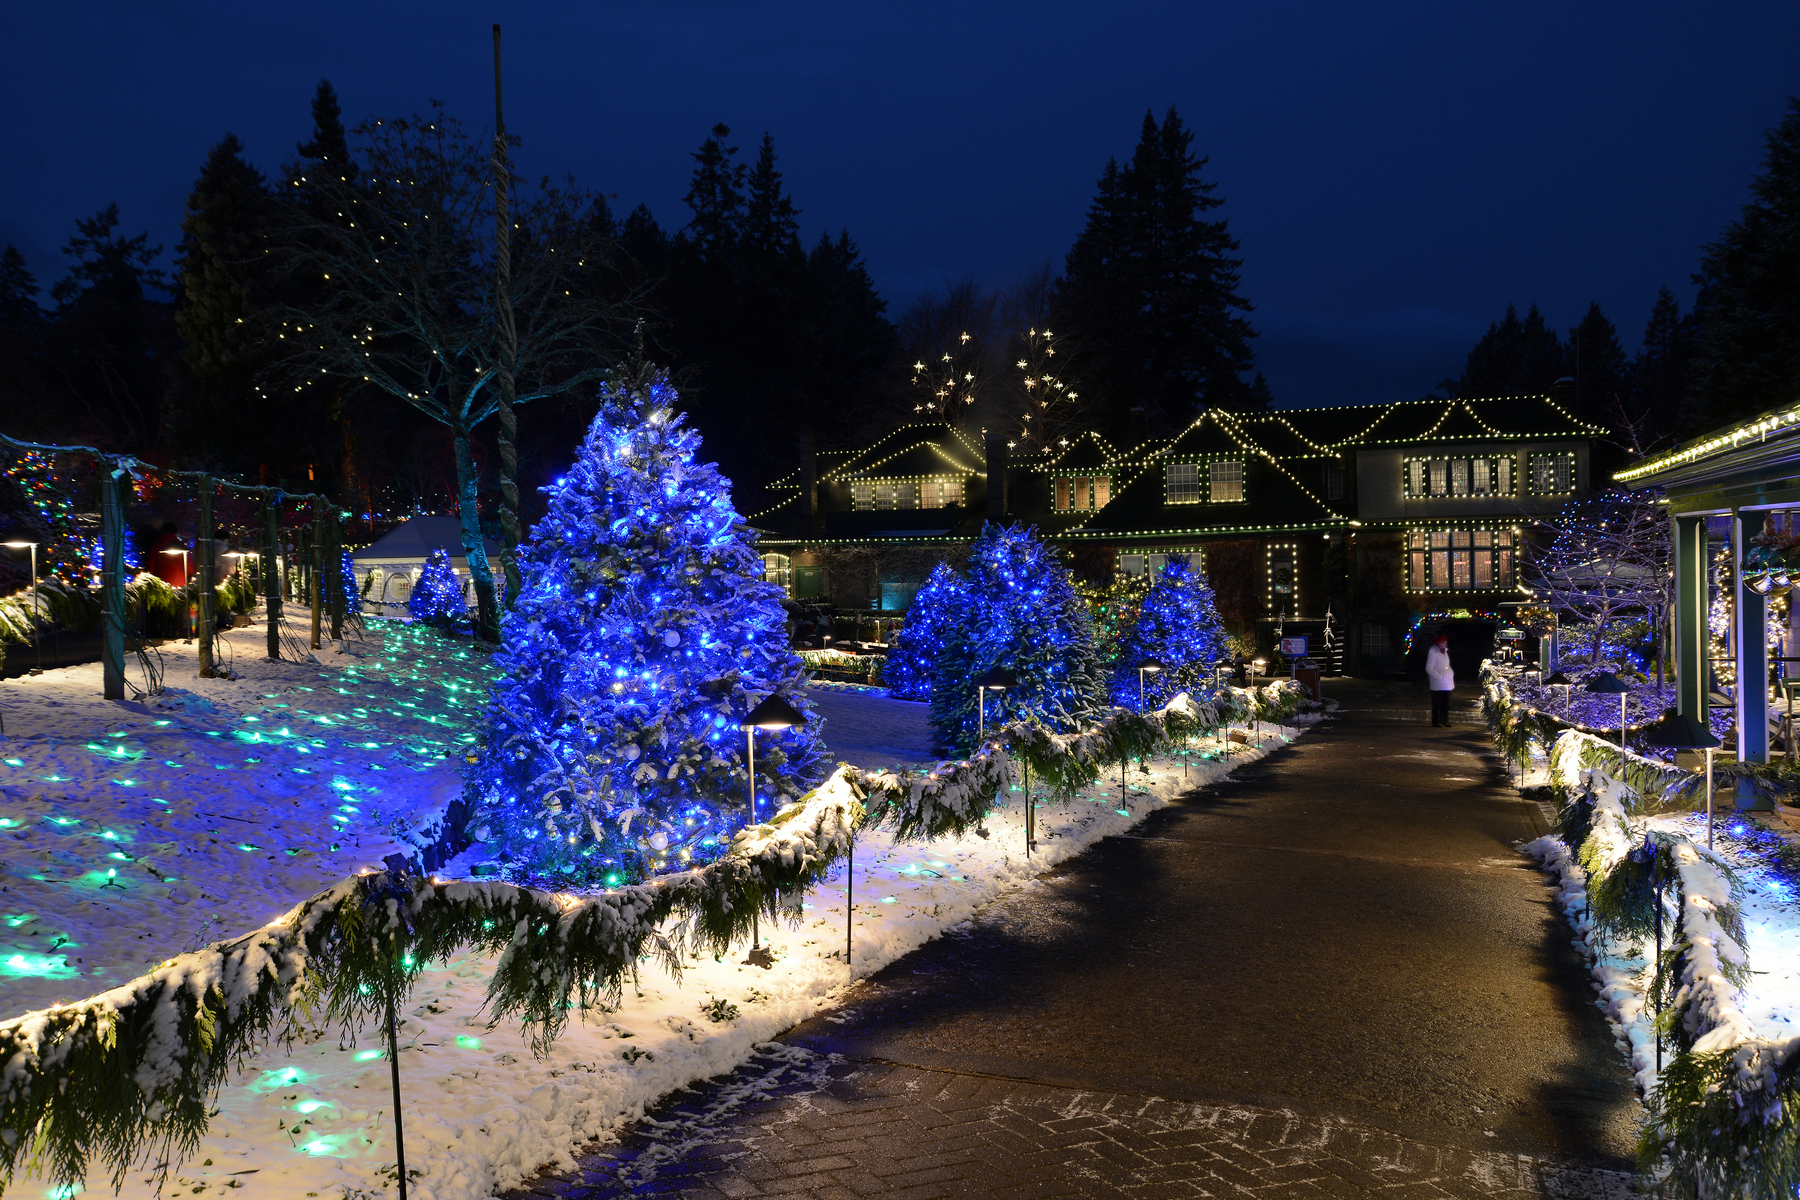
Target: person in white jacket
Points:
(1441, 679)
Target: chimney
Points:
(1564, 393)
(996, 476)
(1134, 429)
(809, 472)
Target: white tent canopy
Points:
(396, 561)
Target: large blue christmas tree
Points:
(437, 599)
(1019, 611)
(906, 672)
(1177, 625)
(643, 635)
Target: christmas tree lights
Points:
(911, 658)
(437, 599)
(1021, 612)
(353, 600)
(642, 637)
(1177, 625)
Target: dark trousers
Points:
(1440, 708)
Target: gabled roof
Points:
(418, 537)
(1085, 453)
(1432, 419)
(956, 450)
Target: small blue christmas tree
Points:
(1176, 625)
(913, 655)
(1020, 611)
(437, 599)
(642, 636)
(353, 600)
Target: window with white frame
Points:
(1553, 474)
(1457, 476)
(1151, 562)
(778, 570)
(1081, 493)
(1461, 560)
(1181, 483)
(1227, 479)
(940, 493)
(1334, 482)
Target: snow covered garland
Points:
(1724, 1114)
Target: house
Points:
(387, 570)
(1352, 525)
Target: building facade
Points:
(1365, 521)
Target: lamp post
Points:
(1565, 683)
(1256, 666)
(1608, 684)
(1684, 733)
(36, 637)
(773, 714)
(997, 680)
(185, 576)
(1149, 666)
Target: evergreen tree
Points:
(912, 656)
(715, 196)
(1748, 359)
(771, 228)
(1151, 287)
(222, 284)
(437, 599)
(1020, 612)
(643, 637)
(1177, 626)
(328, 148)
(1517, 356)
(353, 597)
(1599, 366)
(1657, 409)
(23, 326)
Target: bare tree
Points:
(391, 284)
(1606, 557)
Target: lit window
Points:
(1459, 559)
(1181, 483)
(1552, 474)
(777, 569)
(1227, 481)
(862, 496)
(1082, 493)
(1422, 477)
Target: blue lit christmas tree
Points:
(353, 600)
(1176, 625)
(643, 635)
(906, 673)
(437, 599)
(1020, 611)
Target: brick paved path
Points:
(1331, 976)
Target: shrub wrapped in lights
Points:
(643, 635)
(1176, 625)
(910, 660)
(437, 599)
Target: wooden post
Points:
(271, 557)
(113, 482)
(204, 575)
(318, 555)
(334, 573)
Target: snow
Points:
(350, 757)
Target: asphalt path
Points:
(1345, 928)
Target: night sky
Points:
(1396, 174)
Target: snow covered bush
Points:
(1176, 625)
(643, 635)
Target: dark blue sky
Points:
(1397, 173)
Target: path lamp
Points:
(36, 637)
(186, 577)
(1608, 684)
(1149, 666)
(997, 680)
(773, 714)
(1684, 733)
(1256, 666)
(1565, 683)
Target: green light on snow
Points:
(469, 1043)
(1123, 812)
(38, 965)
(311, 1106)
(15, 762)
(321, 1146)
(366, 1055)
(7, 822)
(282, 1078)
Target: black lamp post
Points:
(1684, 733)
(773, 714)
(1149, 666)
(1608, 684)
(999, 679)
(1565, 683)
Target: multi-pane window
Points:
(1284, 583)
(1082, 493)
(1181, 483)
(1151, 562)
(905, 493)
(1227, 479)
(1458, 477)
(1553, 474)
(1334, 483)
(777, 569)
(1459, 559)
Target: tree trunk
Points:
(113, 482)
(318, 558)
(271, 560)
(203, 591)
(334, 575)
(487, 618)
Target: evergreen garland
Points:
(1020, 612)
(437, 599)
(912, 656)
(643, 635)
(1176, 625)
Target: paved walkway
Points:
(1332, 975)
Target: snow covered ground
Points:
(136, 830)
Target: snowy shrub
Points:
(437, 599)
